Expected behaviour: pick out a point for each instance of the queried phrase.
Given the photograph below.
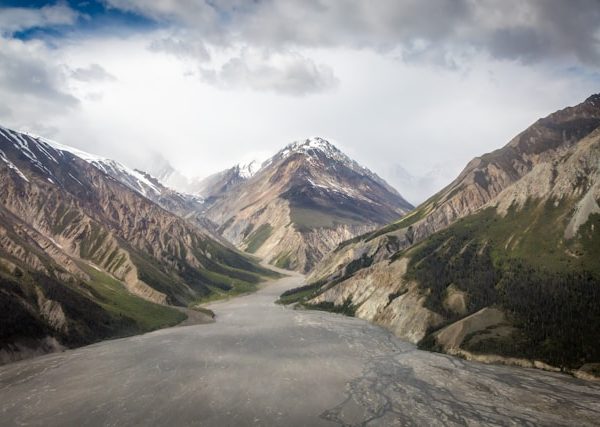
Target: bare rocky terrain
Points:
(501, 266)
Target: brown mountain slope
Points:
(216, 186)
(481, 180)
(302, 202)
(517, 276)
(73, 236)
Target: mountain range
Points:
(216, 186)
(501, 265)
(93, 249)
(89, 250)
(296, 206)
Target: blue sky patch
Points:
(95, 17)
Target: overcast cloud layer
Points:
(411, 89)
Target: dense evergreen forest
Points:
(550, 294)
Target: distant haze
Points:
(410, 89)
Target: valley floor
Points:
(264, 364)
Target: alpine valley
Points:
(502, 265)
(92, 249)
(299, 213)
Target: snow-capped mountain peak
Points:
(40, 150)
(249, 169)
(310, 146)
(315, 148)
(134, 179)
(307, 187)
(47, 157)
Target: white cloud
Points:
(424, 85)
(522, 30)
(383, 111)
(181, 46)
(91, 73)
(285, 72)
(13, 19)
(202, 14)
(33, 84)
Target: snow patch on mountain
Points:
(248, 170)
(311, 146)
(21, 143)
(130, 177)
(12, 166)
(48, 149)
(317, 146)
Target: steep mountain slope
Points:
(141, 182)
(83, 256)
(481, 180)
(504, 261)
(302, 202)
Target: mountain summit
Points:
(301, 203)
(315, 146)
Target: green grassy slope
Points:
(112, 296)
(224, 270)
(258, 237)
(76, 312)
(549, 286)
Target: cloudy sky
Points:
(412, 89)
